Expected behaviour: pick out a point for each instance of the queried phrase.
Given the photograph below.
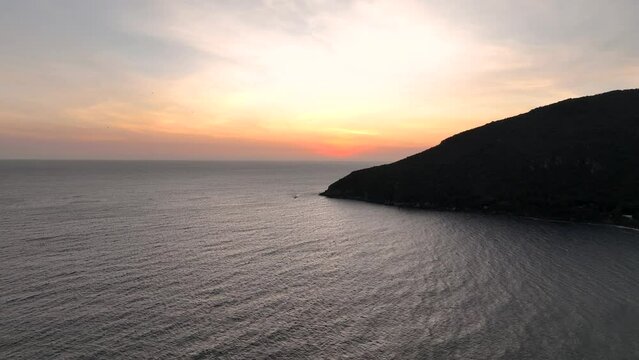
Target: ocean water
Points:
(196, 260)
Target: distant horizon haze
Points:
(328, 161)
(168, 153)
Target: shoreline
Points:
(633, 227)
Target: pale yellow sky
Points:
(374, 80)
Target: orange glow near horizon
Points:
(339, 152)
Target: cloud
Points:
(339, 78)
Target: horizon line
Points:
(197, 160)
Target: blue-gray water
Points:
(169, 260)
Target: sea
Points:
(244, 260)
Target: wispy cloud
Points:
(334, 78)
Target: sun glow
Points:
(344, 73)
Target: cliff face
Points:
(577, 159)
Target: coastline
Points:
(621, 225)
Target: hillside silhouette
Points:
(577, 159)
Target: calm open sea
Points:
(244, 260)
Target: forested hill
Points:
(577, 159)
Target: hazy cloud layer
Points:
(293, 79)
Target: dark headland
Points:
(576, 160)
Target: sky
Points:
(293, 80)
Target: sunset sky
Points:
(293, 80)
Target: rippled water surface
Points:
(245, 260)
